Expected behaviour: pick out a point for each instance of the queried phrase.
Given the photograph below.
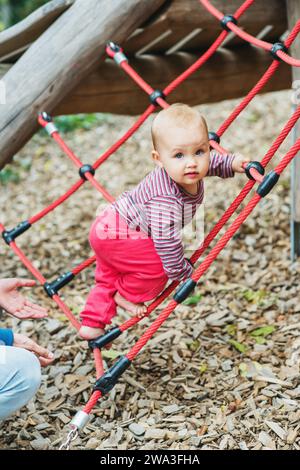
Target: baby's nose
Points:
(192, 161)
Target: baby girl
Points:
(137, 240)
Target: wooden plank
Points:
(28, 30)
(293, 13)
(202, 41)
(60, 59)
(205, 38)
(109, 89)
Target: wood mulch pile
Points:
(221, 373)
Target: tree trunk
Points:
(19, 36)
(66, 53)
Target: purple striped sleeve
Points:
(220, 165)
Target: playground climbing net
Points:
(255, 172)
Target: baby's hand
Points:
(238, 162)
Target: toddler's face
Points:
(184, 153)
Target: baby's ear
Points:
(156, 158)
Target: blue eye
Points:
(200, 152)
(178, 155)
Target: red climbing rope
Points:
(84, 265)
(56, 203)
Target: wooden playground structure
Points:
(55, 60)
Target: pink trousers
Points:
(126, 261)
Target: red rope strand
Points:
(248, 37)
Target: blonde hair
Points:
(177, 114)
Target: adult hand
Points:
(44, 356)
(15, 303)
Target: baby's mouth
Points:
(194, 173)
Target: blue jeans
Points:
(20, 378)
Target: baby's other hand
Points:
(238, 162)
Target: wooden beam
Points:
(60, 59)
(163, 29)
(109, 89)
(25, 32)
(180, 17)
(293, 13)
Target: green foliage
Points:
(231, 329)
(193, 299)
(260, 297)
(243, 369)
(242, 348)
(193, 345)
(9, 174)
(260, 333)
(80, 121)
(263, 331)
(253, 117)
(203, 368)
(255, 297)
(110, 354)
(12, 173)
(13, 11)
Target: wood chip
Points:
(277, 429)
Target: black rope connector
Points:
(258, 167)
(53, 287)
(227, 19)
(278, 46)
(267, 184)
(189, 261)
(86, 169)
(105, 339)
(156, 94)
(108, 380)
(214, 136)
(10, 235)
(184, 291)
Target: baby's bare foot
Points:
(86, 332)
(137, 309)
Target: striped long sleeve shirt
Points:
(161, 208)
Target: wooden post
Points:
(293, 14)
